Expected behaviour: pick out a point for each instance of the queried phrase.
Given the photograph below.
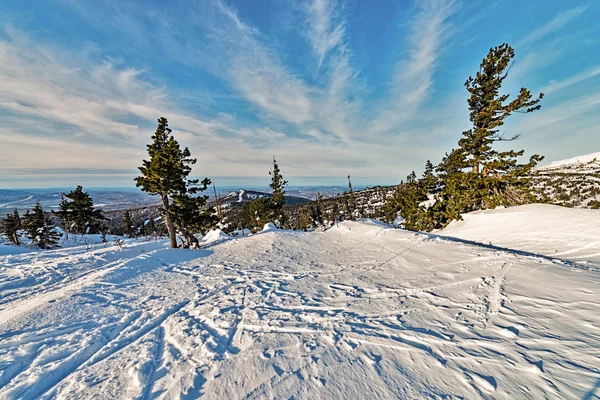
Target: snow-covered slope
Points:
(545, 229)
(573, 163)
(573, 182)
(358, 311)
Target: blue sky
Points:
(368, 88)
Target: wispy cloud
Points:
(325, 33)
(255, 71)
(552, 26)
(554, 86)
(413, 79)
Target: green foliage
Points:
(166, 174)
(39, 229)
(349, 201)
(594, 204)
(317, 211)
(76, 210)
(277, 185)
(256, 213)
(488, 110)
(11, 226)
(128, 227)
(189, 214)
(493, 178)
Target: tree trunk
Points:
(168, 223)
(475, 165)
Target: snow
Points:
(544, 229)
(361, 310)
(585, 159)
(214, 235)
(269, 226)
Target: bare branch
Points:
(501, 137)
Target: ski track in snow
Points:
(358, 311)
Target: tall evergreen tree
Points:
(488, 110)
(351, 200)
(475, 175)
(277, 185)
(39, 228)
(76, 210)
(11, 226)
(166, 175)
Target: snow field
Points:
(358, 311)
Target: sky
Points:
(330, 88)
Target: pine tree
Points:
(128, 227)
(351, 200)
(305, 219)
(189, 215)
(317, 211)
(488, 110)
(166, 173)
(255, 213)
(335, 210)
(11, 226)
(277, 185)
(39, 228)
(76, 210)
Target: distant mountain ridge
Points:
(244, 195)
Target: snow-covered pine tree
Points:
(76, 210)
(39, 228)
(277, 185)
(166, 175)
(11, 226)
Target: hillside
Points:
(573, 182)
(357, 311)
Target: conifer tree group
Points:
(35, 226)
(475, 175)
(39, 228)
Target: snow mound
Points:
(269, 227)
(214, 235)
(550, 230)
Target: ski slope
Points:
(358, 311)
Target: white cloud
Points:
(413, 80)
(324, 33)
(554, 86)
